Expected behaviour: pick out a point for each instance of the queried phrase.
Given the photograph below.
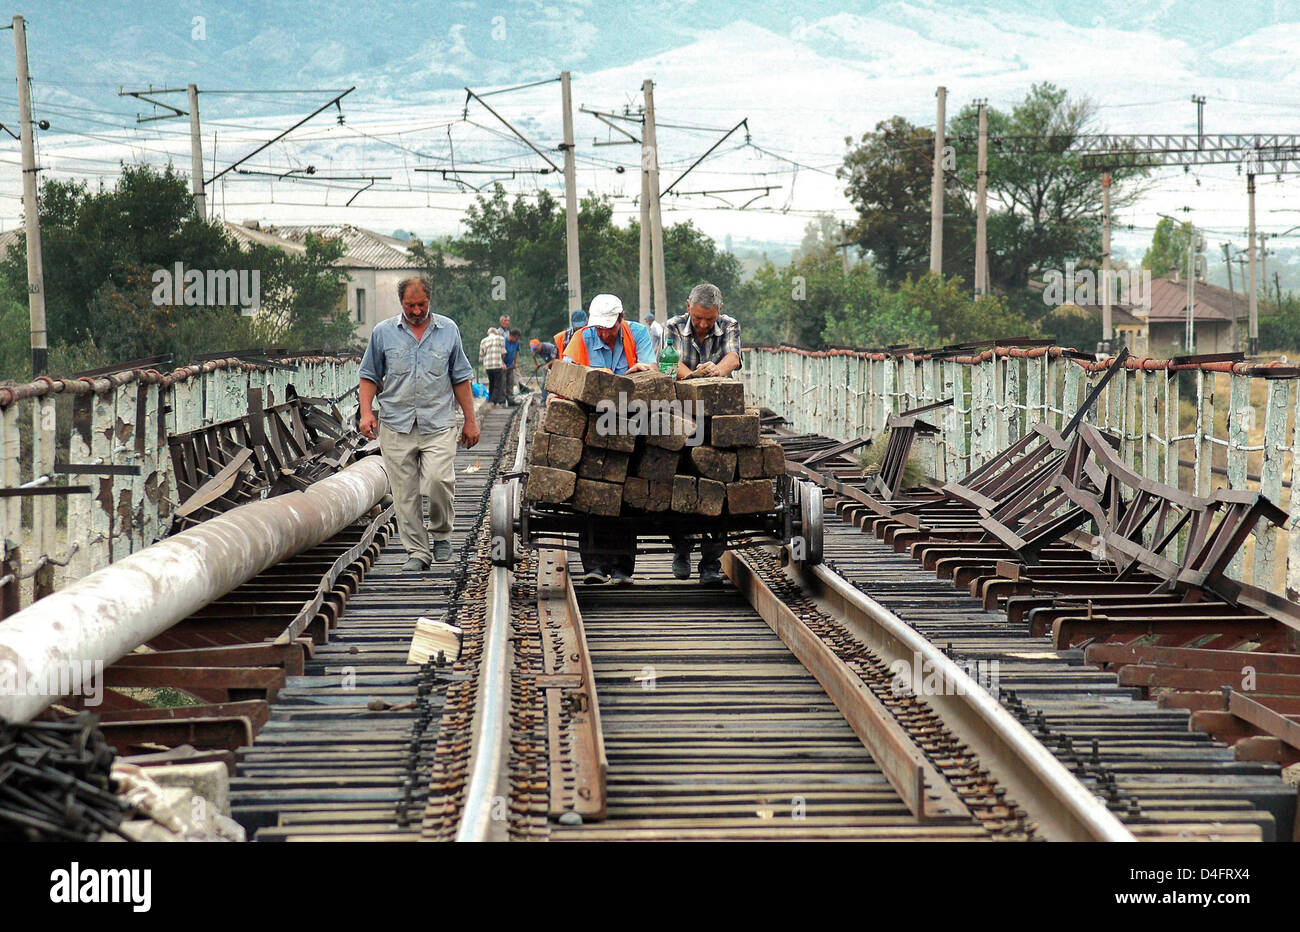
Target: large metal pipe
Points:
(107, 614)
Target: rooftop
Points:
(362, 248)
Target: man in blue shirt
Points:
(512, 350)
(417, 365)
(609, 342)
(544, 356)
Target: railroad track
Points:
(715, 731)
(350, 744)
(671, 711)
(1159, 774)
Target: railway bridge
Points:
(1008, 592)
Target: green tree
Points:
(93, 238)
(1168, 249)
(103, 249)
(888, 177)
(1280, 330)
(304, 296)
(1043, 207)
(517, 263)
(873, 316)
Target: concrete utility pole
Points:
(43, 442)
(844, 246)
(1232, 295)
(1263, 258)
(571, 199)
(1253, 296)
(936, 187)
(1190, 339)
(650, 161)
(645, 238)
(1107, 329)
(982, 205)
(196, 154)
(31, 209)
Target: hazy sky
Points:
(803, 74)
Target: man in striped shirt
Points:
(492, 356)
(707, 340)
(708, 344)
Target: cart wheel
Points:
(786, 503)
(501, 513)
(810, 521)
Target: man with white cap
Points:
(610, 342)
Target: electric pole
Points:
(570, 199)
(1253, 296)
(982, 204)
(645, 234)
(1263, 259)
(43, 442)
(1232, 295)
(196, 154)
(844, 246)
(1199, 100)
(31, 209)
(936, 187)
(650, 161)
(1195, 250)
(1107, 328)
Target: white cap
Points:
(604, 311)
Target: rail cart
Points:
(795, 521)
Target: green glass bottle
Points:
(668, 359)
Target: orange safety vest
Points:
(580, 346)
(558, 340)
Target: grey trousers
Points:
(421, 464)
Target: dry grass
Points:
(872, 455)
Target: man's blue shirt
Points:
(601, 356)
(417, 377)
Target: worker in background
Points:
(416, 363)
(492, 355)
(544, 357)
(609, 342)
(512, 352)
(577, 320)
(505, 325)
(656, 331)
(708, 344)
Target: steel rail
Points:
(1064, 808)
(483, 814)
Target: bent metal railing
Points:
(1194, 423)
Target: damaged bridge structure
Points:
(1006, 591)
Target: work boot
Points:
(442, 550)
(711, 577)
(620, 578)
(595, 577)
(682, 566)
(414, 565)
